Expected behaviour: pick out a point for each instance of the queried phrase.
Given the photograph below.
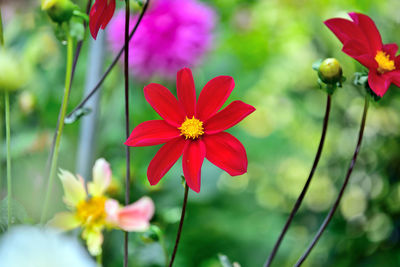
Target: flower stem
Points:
(306, 185)
(99, 260)
(60, 126)
(178, 235)
(127, 148)
(113, 63)
(8, 137)
(339, 197)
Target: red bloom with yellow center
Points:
(192, 129)
(100, 15)
(362, 41)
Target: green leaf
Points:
(19, 214)
(77, 115)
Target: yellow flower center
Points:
(384, 62)
(92, 212)
(192, 128)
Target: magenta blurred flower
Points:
(173, 34)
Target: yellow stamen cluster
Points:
(192, 128)
(92, 212)
(384, 62)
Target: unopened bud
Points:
(153, 234)
(59, 10)
(330, 71)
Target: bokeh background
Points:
(268, 47)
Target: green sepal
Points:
(361, 79)
(153, 234)
(76, 28)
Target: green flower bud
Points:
(14, 73)
(59, 10)
(330, 71)
(153, 234)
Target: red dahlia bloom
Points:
(100, 15)
(362, 41)
(192, 129)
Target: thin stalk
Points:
(127, 150)
(60, 127)
(306, 185)
(339, 197)
(178, 235)
(165, 251)
(1, 31)
(74, 64)
(113, 63)
(8, 138)
(99, 260)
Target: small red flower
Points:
(100, 15)
(362, 41)
(192, 129)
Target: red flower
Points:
(362, 41)
(100, 15)
(195, 130)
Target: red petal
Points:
(213, 96)
(192, 159)
(152, 133)
(378, 83)
(395, 77)
(164, 159)
(95, 17)
(228, 117)
(186, 91)
(360, 53)
(164, 103)
(108, 14)
(226, 152)
(346, 30)
(391, 49)
(368, 27)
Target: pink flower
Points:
(173, 34)
(362, 41)
(95, 211)
(194, 129)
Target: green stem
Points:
(99, 260)
(63, 111)
(165, 250)
(8, 134)
(1, 31)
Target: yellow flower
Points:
(93, 211)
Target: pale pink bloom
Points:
(93, 211)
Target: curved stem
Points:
(113, 63)
(306, 185)
(339, 197)
(8, 138)
(178, 235)
(128, 155)
(74, 64)
(60, 127)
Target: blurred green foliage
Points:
(268, 46)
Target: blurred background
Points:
(268, 47)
